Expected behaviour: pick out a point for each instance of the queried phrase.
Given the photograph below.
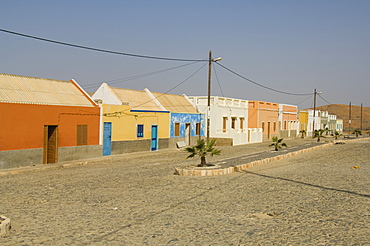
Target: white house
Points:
(313, 121)
(228, 119)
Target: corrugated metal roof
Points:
(175, 103)
(138, 100)
(31, 90)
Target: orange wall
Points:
(259, 111)
(22, 125)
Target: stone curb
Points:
(199, 171)
(5, 225)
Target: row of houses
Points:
(311, 120)
(49, 121)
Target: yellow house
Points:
(127, 121)
(132, 121)
(303, 121)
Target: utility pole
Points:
(349, 118)
(314, 112)
(210, 60)
(361, 119)
(209, 93)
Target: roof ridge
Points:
(30, 77)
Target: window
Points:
(140, 131)
(241, 123)
(233, 121)
(81, 135)
(285, 125)
(197, 129)
(274, 126)
(263, 126)
(224, 124)
(177, 129)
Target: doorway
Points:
(50, 144)
(154, 141)
(107, 138)
(187, 133)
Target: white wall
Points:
(230, 108)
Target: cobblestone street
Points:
(320, 197)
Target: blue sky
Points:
(291, 46)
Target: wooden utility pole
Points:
(314, 112)
(349, 118)
(361, 119)
(209, 94)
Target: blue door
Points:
(107, 138)
(154, 137)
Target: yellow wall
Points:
(124, 122)
(303, 120)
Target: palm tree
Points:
(277, 143)
(357, 132)
(201, 149)
(319, 134)
(337, 135)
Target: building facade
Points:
(132, 121)
(227, 119)
(264, 115)
(288, 121)
(46, 121)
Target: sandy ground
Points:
(316, 198)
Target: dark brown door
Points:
(50, 144)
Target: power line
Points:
(304, 100)
(324, 99)
(116, 81)
(219, 85)
(101, 50)
(266, 87)
(162, 94)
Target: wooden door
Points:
(50, 144)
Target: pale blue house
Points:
(186, 123)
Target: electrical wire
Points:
(304, 100)
(218, 82)
(263, 86)
(116, 81)
(100, 50)
(324, 99)
(162, 94)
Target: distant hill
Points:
(342, 112)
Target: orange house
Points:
(46, 121)
(264, 115)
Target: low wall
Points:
(223, 141)
(122, 147)
(31, 157)
(20, 158)
(79, 152)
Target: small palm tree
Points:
(319, 134)
(303, 133)
(357, 132)
(337, 135)
(201, 149)
(277, 143)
